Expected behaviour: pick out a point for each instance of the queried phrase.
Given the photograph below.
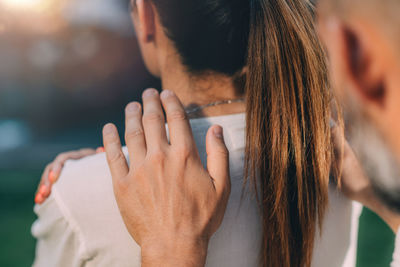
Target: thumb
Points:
(218, 159)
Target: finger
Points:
(39, 199)
(218, 159)
(153, 121)
(115, 157)
(42, 187)
(45, 189)
(339, 142)
(134, 134)
(340, 149)
(85, 152)
(45, 192)
(100, 150)
(78, 154)
(55, 171)
(180, 132)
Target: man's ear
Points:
(362, 64)
(144, 20)
(354, 59)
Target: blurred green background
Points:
(16, 203)
(67, 67)
(375, 241)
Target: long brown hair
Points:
(288, 151)
(288, 146)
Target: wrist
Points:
(173, 252)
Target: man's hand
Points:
(170, 204)
(356, 185)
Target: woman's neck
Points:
(197, 91)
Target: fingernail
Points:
(149, 92)
(132, 107)
(38, 199)
(166, 93)
(100, 150)
(218, 132)
(108, 128)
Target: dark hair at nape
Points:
(209, 35)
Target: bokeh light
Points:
(23, 4)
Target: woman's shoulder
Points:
(84, 194)
(90, 174)
(85, 187)
(83, 179)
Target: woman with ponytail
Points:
(257, 69)
(288, 136)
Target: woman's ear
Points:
(143, 15)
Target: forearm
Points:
(185, 254)
(391, 218)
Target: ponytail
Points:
(288, 149)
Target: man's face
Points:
(367, 91)
(373, 152)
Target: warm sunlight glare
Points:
(22, 4)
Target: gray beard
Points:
(375, 156)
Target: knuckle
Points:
(121, 185)
(59, 156)
(152, 117)
(115, 141)
(222, 150)
(184, 151)
(157, 157)
(140, 172)
(85, 150)
(62, 157)
(177, 115)
(116, 157)
(131, 134)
